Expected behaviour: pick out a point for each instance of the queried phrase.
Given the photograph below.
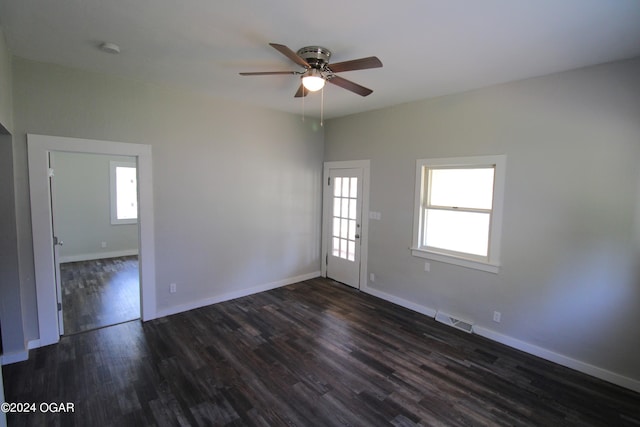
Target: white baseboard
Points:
(15, 357)
(560, 359)
(594, 371)
(400, 301)
(236, 294)
(98, 255)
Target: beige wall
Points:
(570, 278)
(236, 188)
(10, 300)
(6, 95)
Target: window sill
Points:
(450, 259)
(123, 221)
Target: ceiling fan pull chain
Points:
(322, 106)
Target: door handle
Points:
(357, 236)
(57, 242)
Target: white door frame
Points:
(365, 165)
(38, 148)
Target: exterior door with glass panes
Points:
(345, 210)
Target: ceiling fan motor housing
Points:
(316, 56)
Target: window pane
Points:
(354, 188)
(336, 227)
(462, 188)
(344, 227)
(126, 193)
(351, 255)
(337, 187)
(466, 232)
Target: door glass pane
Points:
(343, 248)
(336, 247)
(345, 208)
(336, 206)
(466, 232)
(344, 217)
(345, 187)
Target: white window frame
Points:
(490, 263)
(113, 191)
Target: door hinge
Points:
(59, 306)
(326, 259)
(329, 181)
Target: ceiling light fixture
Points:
(110, 48)
(313, 80)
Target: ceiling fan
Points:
(318, 70)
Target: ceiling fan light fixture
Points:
(313, 80)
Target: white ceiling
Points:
(428, 47)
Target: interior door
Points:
(57, 243)
(345, 225)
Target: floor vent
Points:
(452, 321)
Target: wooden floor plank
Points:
(315, 353)
(99, 293)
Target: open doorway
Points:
(95, 224)
(38, 148)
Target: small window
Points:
(458, 210)
(124, 193)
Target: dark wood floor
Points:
(311, 354)
(99, 293)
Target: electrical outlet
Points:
(172, 288)
(372, 277)
(427, 266)
(497, 316)
(103, 244)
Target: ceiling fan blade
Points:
(356, 64)
(267, 73)
(302, 91)
(290, 54)
(349, 85)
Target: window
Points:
(124, 192)
(458, 210)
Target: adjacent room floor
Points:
(99, 293)
(315, 353)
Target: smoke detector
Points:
(110, 48)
